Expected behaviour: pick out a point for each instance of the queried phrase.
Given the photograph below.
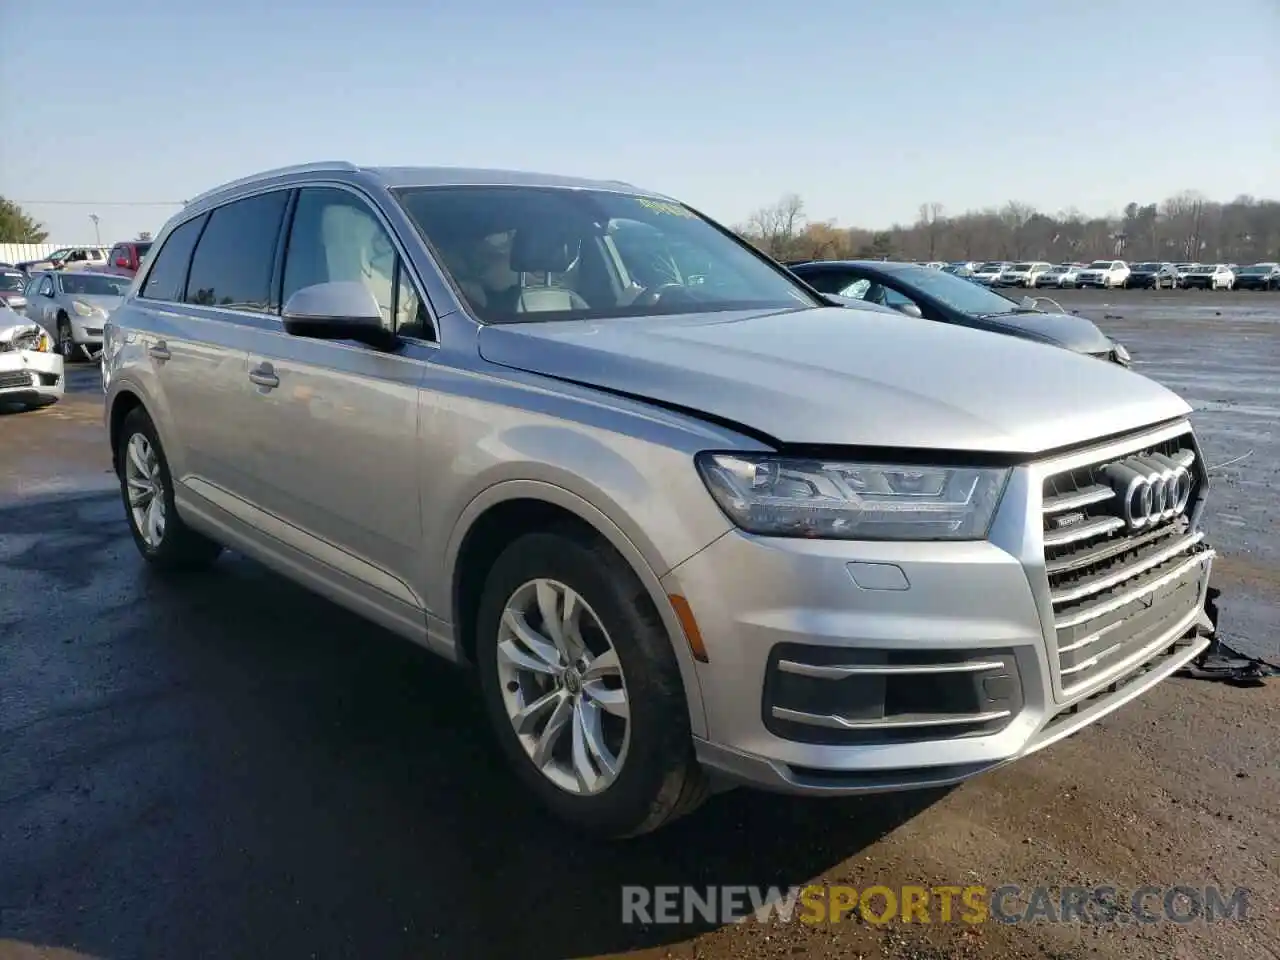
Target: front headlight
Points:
(82, 308)
(1122, 355)
(35, 342)
(786, 497)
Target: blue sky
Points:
(866, 108)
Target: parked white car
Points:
(989, 272)
(1210, 276)
(31, 371)
(1062, 275)
(1182, 269)
(1106, 274)
(1024, 274)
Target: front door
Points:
(334, 451)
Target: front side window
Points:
(234, 259)
(531, 253)
(828, 281)
(168, 275)
(856, 290)
(336, 237)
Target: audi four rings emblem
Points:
(1151, 487)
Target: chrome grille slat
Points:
(1128, 572)
(1094, 555)
(1113, 578)
(1080, 498)
(887, 723)
(1086, 531)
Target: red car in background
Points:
(125, 258)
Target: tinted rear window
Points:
(233, 262)
(169, 272)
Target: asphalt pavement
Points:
(228, 766)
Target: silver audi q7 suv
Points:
(690, 524)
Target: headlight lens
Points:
(1122, 355)
(785, 497)
(82, 308)
(37, 342)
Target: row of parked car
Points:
(1117, 274)
(123, 259)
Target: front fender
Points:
(630, 551)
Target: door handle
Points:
(159, 351)
(264, 375)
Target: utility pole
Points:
(96, 232)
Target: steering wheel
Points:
(650, 296)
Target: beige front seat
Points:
(539, 250)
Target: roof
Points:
(395, 177)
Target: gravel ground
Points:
(234, 767)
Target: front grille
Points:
(1123, 571)
(14, 378)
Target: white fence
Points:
(22, 252)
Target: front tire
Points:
(582, 686)
(146, 487)
(67, 340)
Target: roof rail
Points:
(319, 166)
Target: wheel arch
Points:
(507, 510)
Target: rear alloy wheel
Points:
(582, 687)
(146, 487)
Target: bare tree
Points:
(1187, 226)
(776, 228)
(933, 222)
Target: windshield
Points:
(1256, 270)
(520, 254)
(1057, 270)
(962, 295)
(1148, 267)
(11, 281)
(991, 268)
(94, 285)
(1100, 265)
(58, 254)
(1021, 267)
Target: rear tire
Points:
(654, 777)
(146, 488)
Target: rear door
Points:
(207, 293)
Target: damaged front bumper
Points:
(30, 371)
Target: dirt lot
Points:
(232, 767)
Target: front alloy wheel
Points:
(581, 684)
(66, 341)
(563, 687)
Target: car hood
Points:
(13, 326)
(1063, 329)
(824, 376)
(100, 300)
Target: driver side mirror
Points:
(910, 309)
(338, 310)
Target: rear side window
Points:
(168, 274)
(233, 262)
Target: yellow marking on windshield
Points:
(670, 209)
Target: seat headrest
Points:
(541, 250)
